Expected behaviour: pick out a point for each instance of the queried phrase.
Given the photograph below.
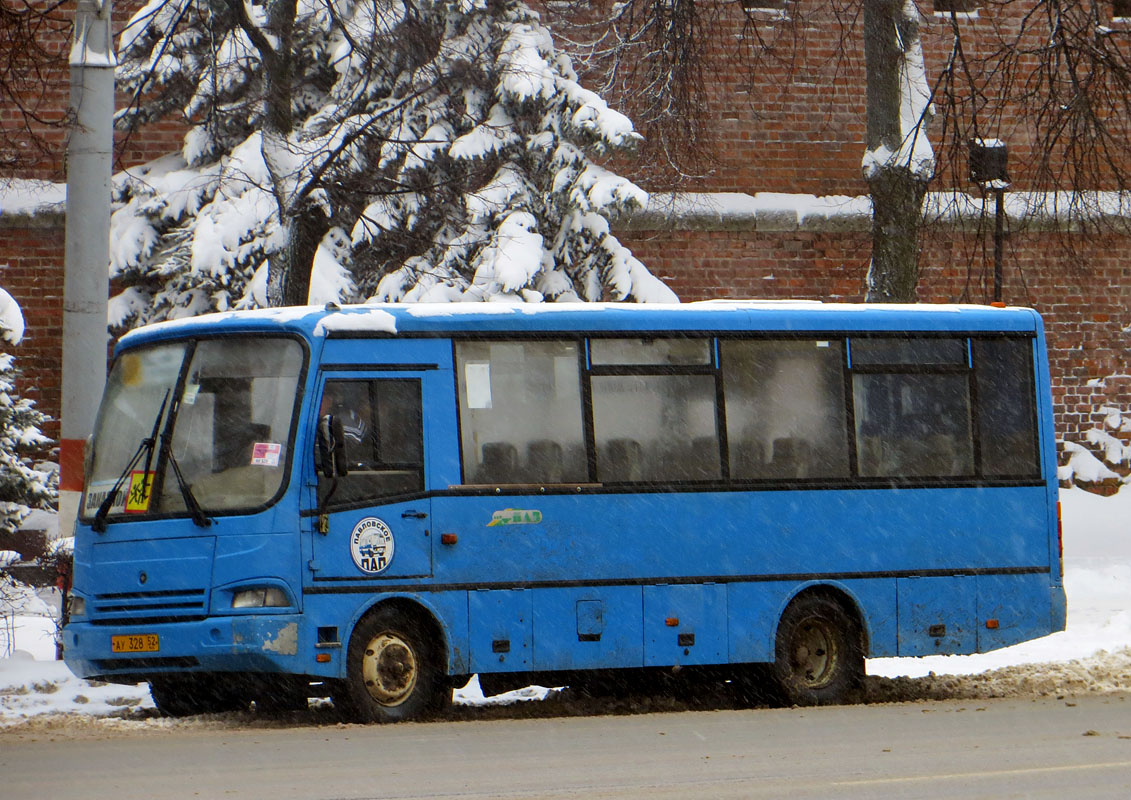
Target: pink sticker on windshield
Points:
(266, 454)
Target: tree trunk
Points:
(897, 210)
(288, 270)
(896, 188)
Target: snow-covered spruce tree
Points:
(22, 486)
(438, 150)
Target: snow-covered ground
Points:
(1093, 654)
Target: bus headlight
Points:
(76, 606)
(268, 597)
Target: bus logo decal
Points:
(515, 516)
(371, 545)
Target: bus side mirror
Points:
(330, 447)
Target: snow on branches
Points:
(441, 150)
(22, 485)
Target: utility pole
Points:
(87, 250)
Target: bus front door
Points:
(375, 520)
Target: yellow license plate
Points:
(135, 643)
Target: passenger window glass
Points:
(520, 412)
(910, 425)
(384, 438)
(1007, 419)
(867, 352)
(655, 428)
(785, 409)
(650, 352)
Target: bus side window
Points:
(384, 442)
(520, 412)
(1007, 418)
(785, 408)
(911, 401)
(655, 428)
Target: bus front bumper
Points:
(132, 653)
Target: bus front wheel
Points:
(818, 657)
(392, 673)
(188, 695)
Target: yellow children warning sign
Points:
(141, 485)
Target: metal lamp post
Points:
(988, 159)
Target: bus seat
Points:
(791, 458)
(747, 458)
(622, 461)
(575, 463)
(499, 465)
(703, 459)
(940, 456)
(543, 462)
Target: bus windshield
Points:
(219, 409)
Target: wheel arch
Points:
(834, 592)
(413, 607)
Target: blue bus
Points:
(374, 503)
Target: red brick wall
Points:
(31, 270)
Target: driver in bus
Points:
(349, 403)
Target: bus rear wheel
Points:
(392, 672)
(818, 657)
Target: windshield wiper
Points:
(98, 525)
(198, 515)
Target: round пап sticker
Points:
(371, 545)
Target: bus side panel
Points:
(754, 612)
(655, 538)
(937, 615)
(587, 628)
(500, 630)
(685, 625)
(1020, 605)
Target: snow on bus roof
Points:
(391, 318)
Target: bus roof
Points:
(706, 316)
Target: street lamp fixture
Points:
(988, 160)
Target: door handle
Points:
(414, 515)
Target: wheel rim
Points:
(389, 669)
(814, 655)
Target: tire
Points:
(818, 658)
(392, 671)
(188, 695)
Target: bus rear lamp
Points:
(322, 658)
(269, 597)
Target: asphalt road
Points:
(1045, 748)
